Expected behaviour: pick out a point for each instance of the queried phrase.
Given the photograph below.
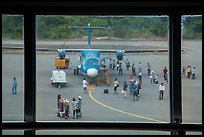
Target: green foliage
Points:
(192, 28)
(12, 27)
(129, 27)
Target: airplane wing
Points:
(134, 51)
(102, 50)
(146, 50)
(43, 49)
(120, 53)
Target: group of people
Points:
(63, 107)
(134, 87)
(189, 71)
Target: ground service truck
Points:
(58, 78)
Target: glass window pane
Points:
(193, 133)
(136, 35)
(100, 132)
(12, 67)
(12, 132)
(191, 61)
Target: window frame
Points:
(32, 9)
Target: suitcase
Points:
(105, 91)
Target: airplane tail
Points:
(89, 31)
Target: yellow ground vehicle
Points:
(62, 63)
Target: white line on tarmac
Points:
(146, 118)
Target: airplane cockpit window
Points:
(91, 61)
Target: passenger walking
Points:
(193, 73)
(184, 71)
(85, 85)
(151, 76)
(148, 69)
(139, 67)
(140, 77)
(135, 91)
(117, 65)
(127, 64)
(133, 70)
(131, 82)
(114, 64)
(14, 87)
(116, 85)
(161, 91)
(155, 78)
(120, 69)
(66, 109)
(74, 107)
(125, 89)
(79, 104)
(138, 85)
(189, 71)
(165, 73)
(61, 107)
(110, 65)
(58, 104)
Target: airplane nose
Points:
(92, 72)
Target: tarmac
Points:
(97, 106)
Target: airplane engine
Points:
(119, 54)
(61, 53)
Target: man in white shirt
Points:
(161, 91)
(85, 85)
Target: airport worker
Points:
(115, 85)
(148, 69)
(120, 69)
(125, 89)
(133, 70)
(66, 109)
(14, 87)
(85, 85)
(193, 73)
(74, 107)
(161, 91)
(79, 107)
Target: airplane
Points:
(90, 58)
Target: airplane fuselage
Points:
(90, 64)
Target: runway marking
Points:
(89, 87)
(146, 118)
